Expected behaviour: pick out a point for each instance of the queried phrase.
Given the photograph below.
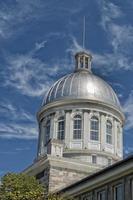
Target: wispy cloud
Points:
(30, 75)
(108, 61)
(128, 109)
(16, 16)
(109, 12)
(8, 109)
(128, 151)
(19, 131)
(13, 17)
(20, 124)
(120, 37)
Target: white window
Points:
(61, 128)
(47, 131)
(94, 159)
(77, 127)
(109, 132)
(118, 192)
(94, 128)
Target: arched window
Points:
(108, 132)
(94, 128)
(47, 136)
(77, 127)
(61, 128)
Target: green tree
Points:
(21, 187)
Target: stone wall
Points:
(60, 178)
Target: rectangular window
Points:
(118, 192)
(94, 159)
(109, 139)
(102, 195)
(109, 162)
(94, 135)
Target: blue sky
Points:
(38, 39)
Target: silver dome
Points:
(82, 85)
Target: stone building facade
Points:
(111, 183)
(80, 128)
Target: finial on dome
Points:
(83, 61)
(84, 26)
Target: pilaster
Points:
(86, 129)
(67, 129)
(115, 137)
(103, 131)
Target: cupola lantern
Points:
(83, 61)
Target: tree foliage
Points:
(20, 187)
(23, 187)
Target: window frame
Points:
(109, 161)
(77, 132)
(61, 132)
(99, 193)
(99, 190)
(48, 127)
(114, 191)
(109, 132)
(94, 159)
(94, 133)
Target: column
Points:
(86, 130)
(121, 139)
(42, 138)
(102, 131)
(55, 125)
(67, 129)
(52, 127)
(78, 63)
(39, 140)
(115, 137)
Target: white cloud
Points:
(18, 114)
(109, 12)
(31, 76)
(13, 17)
(38, 45)
(112, 62)
(107, 61)
(20, 124)
(19, 131)
(28, 74)
(128, 150)
(120, 37)
(75, 47)
(128, 109)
